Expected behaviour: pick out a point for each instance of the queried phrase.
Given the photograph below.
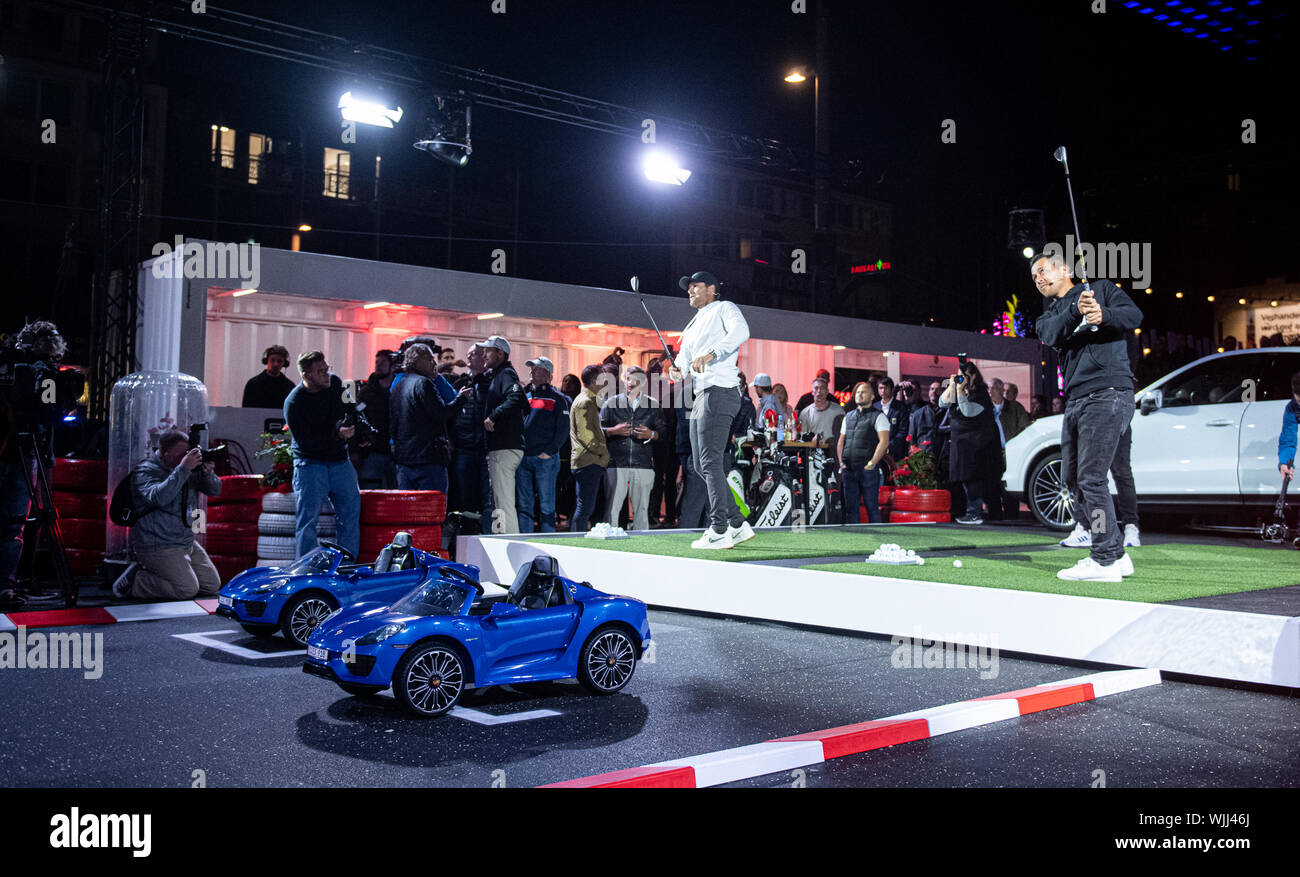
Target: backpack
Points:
(121, 509)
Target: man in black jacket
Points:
(470, 491)
(546, 427)
(271, 387)
(632, 423)
(504, 403)
(418, 421)
(1099, 404)
(899, 415)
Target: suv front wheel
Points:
(1047, 495)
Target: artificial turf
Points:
(1172, 571)
(815, 542)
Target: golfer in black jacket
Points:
(1099, 406)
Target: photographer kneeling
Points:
(169, 564)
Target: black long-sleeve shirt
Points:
(1090, 360)
(313, 420)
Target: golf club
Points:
(636, 287)
(1060, 156)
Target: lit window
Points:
(258, 147)
(338, 171)
(223, 146)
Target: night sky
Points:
(1142, 108)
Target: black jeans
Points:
(663, 493)
(1089, 437)
(1121, 469)
(586, 480)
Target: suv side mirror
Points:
(1150, 402)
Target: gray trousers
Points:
(711, 416)
(619, 483)
(502, 466)
(695, 499)
(174, 574)
(1090, 435)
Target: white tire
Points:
(279, 524)
(287, 504)
(277, 547)
(270, 561)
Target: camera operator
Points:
(29, 361)
(317, 419)
(376, 469)
(169, 564)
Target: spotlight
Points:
(367, 112)
(1027, 252)
(446, 131)
(663, 168)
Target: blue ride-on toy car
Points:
(294, 599)
(452, 633)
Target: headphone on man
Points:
(275, 348)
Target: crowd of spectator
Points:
(522, 453)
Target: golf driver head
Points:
(1059, 154)
(636, 283)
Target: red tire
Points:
(374, 537)
(80, 476)
(403, 507)
(83, 533)
(238, 539)
(234, 512)
(902, 517)
(886, 495)
(238, 488)
(230, 565)
(81, 505)
(83, 561)
(916, 499)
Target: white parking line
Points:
(481, 718)
(206, 639)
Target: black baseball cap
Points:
(698, 277)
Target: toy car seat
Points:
(396, 556)
(536, 585)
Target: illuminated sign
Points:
(871, 267)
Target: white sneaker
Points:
(122, 587)
(1088, 570)
(713, 539)
(1125, 565)
(743, 533)
(1131, 537)
(1080, 538)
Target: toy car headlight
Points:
(380, 634)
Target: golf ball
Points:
(957, 564)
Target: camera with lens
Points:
(219, 454)
(354, 415)
(961, 367)
(34, 391)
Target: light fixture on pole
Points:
(368, 112)
(660, 167)
(445, 133)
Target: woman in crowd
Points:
(975, 451)
(783, 398)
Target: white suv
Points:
(1204, 437)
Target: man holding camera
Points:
(1099, 389)
(30, 363)
(169, 564)
(318, 421)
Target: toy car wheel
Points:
(359, 690)
(428, 681)
(1048, 497)
(261, 630)
(303, 614)
(607, 661)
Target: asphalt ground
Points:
(166, 707)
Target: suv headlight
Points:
(380, 634)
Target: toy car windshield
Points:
(319, 561)
(438, 597)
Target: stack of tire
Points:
(277, 542)
(232, 524)
(916, 504)
(81, 499)
(386, 512)
(884, 497)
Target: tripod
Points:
(40, 511)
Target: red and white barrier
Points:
(801, 750)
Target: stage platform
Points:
(1220, 609)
